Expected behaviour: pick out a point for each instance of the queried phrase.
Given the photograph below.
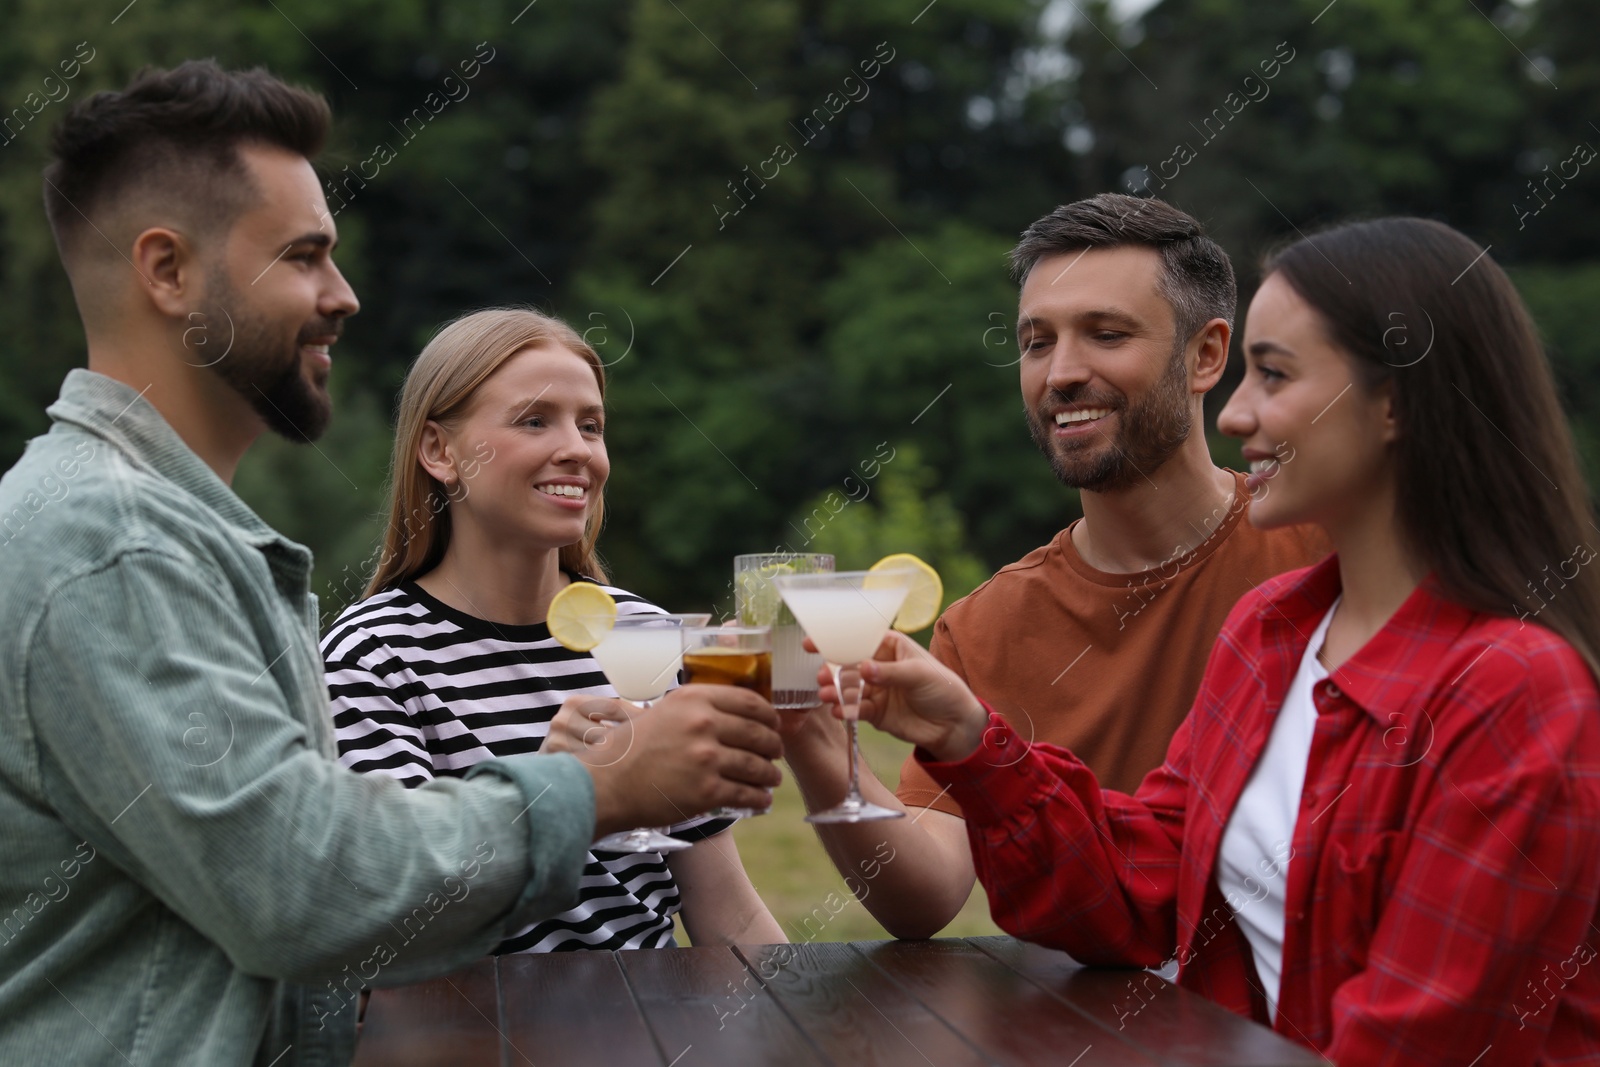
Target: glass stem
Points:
(643, 833)
(855, 754)
(854, 793)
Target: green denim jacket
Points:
(188, 875)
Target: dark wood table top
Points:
(974, 1001)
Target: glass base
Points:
(854, 810)
(643, 840)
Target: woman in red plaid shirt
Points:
(1378, 830)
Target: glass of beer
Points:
(730, 655)
(757, 602)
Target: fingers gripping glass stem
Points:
(854, 807)
(644, 839)
(846, 615)
(641, 655)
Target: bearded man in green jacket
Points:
(190, 876)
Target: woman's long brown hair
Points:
(1490, 493)
(440, 386)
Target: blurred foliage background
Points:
(784, 224)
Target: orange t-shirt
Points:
(1105, 665)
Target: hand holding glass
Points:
(641, 655)
(730, 655)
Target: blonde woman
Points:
(495, 504)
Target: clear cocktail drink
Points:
(846, 624)
(641, 655)
(846, 615)
(641, 662)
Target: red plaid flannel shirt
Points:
(1442, 888)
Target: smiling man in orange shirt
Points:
(1123, 326)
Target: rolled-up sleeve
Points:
(167, 739)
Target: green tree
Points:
(483, 202)
(913, 358)
(1558, 37)
(329, 495)
(1562, 299)
(770, 320)
(903, 512)
(741, 169)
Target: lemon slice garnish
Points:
(581, 615)
(921, 605)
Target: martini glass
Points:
(641, 655)
(846, 615)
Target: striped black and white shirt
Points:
(420, 690)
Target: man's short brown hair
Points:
(174, 134)
(1196, 275)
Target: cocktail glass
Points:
(846, 615)
(641, 655)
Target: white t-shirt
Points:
(1253, 862)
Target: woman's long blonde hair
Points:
(439, 387)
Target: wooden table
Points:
(986, 1000)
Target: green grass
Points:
(793, 874)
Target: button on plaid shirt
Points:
(1445, 867)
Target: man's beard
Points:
(262, 365)
(1150, 431)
